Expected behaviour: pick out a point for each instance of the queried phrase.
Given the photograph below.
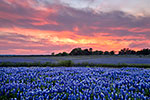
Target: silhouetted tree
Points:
(97, 52)
(133, 52)
(86, 52)
(76, 51)
(59, 54)
(125, 51)
(91, 51)
(53, 54)
(112, 52)
(101, 52)
(64, 54)
(144, 52)
(106, 53)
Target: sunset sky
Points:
(46, 26)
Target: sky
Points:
(46, 26)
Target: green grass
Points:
(69, 63)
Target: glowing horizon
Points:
(46, 26)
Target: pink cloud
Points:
(25, 28)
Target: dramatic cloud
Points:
(61, 25)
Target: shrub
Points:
(66, 63)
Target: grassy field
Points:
(69, 61)
(80, 59)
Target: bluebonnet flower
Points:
(78, 83)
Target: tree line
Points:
(124, 51)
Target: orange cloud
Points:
(43, 39)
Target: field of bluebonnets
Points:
(74, 83)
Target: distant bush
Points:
(66, 63)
